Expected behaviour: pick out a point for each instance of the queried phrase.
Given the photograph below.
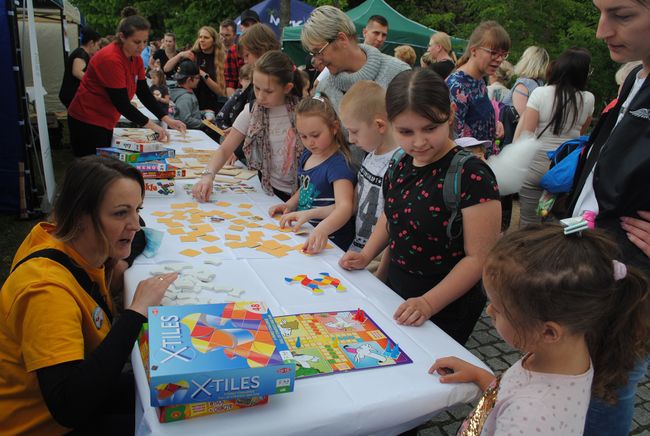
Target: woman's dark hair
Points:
(569, 73)
(541, 275)
(279, 65)
(83, 189)
(422, 91)
(89, 35)
(131, 22)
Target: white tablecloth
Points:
(385, 400)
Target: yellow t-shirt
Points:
(46, 318)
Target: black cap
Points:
(250, 15)
(186, 68)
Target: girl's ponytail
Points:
(618, 343)
(277, 64)
(298, 82)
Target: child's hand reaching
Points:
(295, 219)
(279, 209)
(316, 242)
(455, 370)
(354, 260)
(414, 311)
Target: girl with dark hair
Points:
(75, 65)
(612, 178)
(60, 356)
(554, 113)
(576, 311)
(436, 274)
(487, 47)
(114, 75)
(267, 130)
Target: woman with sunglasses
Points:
(487, 47)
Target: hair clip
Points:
(318, 96)
(620, 270)
(579, 223)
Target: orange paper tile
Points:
(190, 253)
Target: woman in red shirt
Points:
(115, 74)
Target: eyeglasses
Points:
(320, 52)
(495, 54)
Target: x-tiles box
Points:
(213, 352)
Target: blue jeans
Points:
(615, 419)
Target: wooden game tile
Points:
(203, 228)
(212, 249)
(222, 203)
(228, 216)
(276, 253)
(159, 213)
(196, 233)
(236, 228)
(195, 220)
(271, 244)
(175, 231)
(245, 213)
(271, 227)
(181, 205)
(190, 253)
(188, 238)
(210, 238)
(165, 220)
(281, 237)
(252, 225)
(245, 206)
(174, 224)
(234, 244)
(250, 243)
(231, 237)
(174, 160)
(255, 235)
(239, 221)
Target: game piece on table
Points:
(212, 261)
(190, 253)
(298, 344)
(212, 249)
(209, 238)
(177, 267)
(245, 206)
(236, 293)
(188, 238)
(281, 237)
(222, 204)
(176, 231)
(236, 228)
(328, 280)
(359, 315)
(231, 237)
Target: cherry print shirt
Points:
(417, 217)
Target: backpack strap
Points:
(394, 160)
(451, 190)
(79, 274)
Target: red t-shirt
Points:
(108, 68)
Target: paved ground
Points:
(486, 344)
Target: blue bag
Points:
(564, 162)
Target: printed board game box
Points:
(159, 188)
(180, 412)
(213, 352)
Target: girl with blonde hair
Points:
(442, 56)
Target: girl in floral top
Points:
(437, 275)
(487, 47)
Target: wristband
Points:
(207, 172)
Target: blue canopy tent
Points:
(269, 12)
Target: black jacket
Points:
(622, 173)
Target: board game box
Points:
(213, 352)
(159, 187)
(181, 412)
(131, 156)
(332, 342)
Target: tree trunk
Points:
(285, 14)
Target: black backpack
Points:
(450, 188)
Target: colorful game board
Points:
(330, 342)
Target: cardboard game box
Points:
(180, 412)
(159, 188)
(213, 352)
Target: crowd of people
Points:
(391, 163)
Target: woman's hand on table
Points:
(175, 124)
(414, 311)
(162, 133)
(151, 291)
(638, 230)
(316, 242)
(354, 260)
(203, 188)
(455, 370)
